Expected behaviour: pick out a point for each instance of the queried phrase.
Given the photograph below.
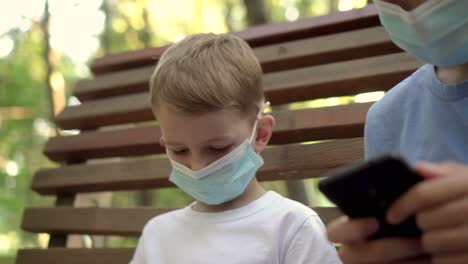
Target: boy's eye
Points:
(220, 149)
(179, 152)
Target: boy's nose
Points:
(198, 164)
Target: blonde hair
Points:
(208, 72)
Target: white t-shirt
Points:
(271, 229)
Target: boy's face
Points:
(198, 140)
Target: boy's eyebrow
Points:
(168, 143)
(221, 138)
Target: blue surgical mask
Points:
(435, 32)
(224, 179)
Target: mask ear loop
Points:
(259, 116)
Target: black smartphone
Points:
(369, 188)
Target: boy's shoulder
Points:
(163, 220)
(405, 93)
(273, 205)
(288, 208)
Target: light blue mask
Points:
(435, 32)
(224, 179)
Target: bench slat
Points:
(336, 79)
(75, 256)
(256, 36)
(284, 56)
(286, 162)
(104, 255)
(379, 73)
(107, 221)
(133, 80)
(343, 121)
(344, 46)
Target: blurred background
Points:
(45, 46)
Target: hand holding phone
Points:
(369, 188)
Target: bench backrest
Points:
(335, 55)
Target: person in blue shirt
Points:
(423, 118)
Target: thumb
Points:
(429, 170)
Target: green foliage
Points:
(22, 91)
(22, 73)
(7, 259)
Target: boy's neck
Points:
(453, 74)
(253, 191)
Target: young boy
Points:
(206, 93)
(425, 117)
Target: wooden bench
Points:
(335, 55)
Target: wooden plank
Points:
(114, 83)
(116, 110)
(292, 126)
(75, 256)
(93, 221)
(344, 46)
(125, 142)
(379, 73)
(106, 221)
(256, 36)
(336, 79)
(335, 122)
(284, 56)
(286, 162)
(104, 255)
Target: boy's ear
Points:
(264, 132)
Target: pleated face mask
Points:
(435, 32)
(224, 179)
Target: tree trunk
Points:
(106, 41)
(228, 6)
(333, 5)
(46, 57)
(256, 12)
(304, 7)
(146, 32)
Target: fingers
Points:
(440, 205)
(445, 169)
(429, 170)
(446, 241)
(430, 193)
(451, 259)
(381, 251)
(445, 215)
(344, 230)
(357, 249)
